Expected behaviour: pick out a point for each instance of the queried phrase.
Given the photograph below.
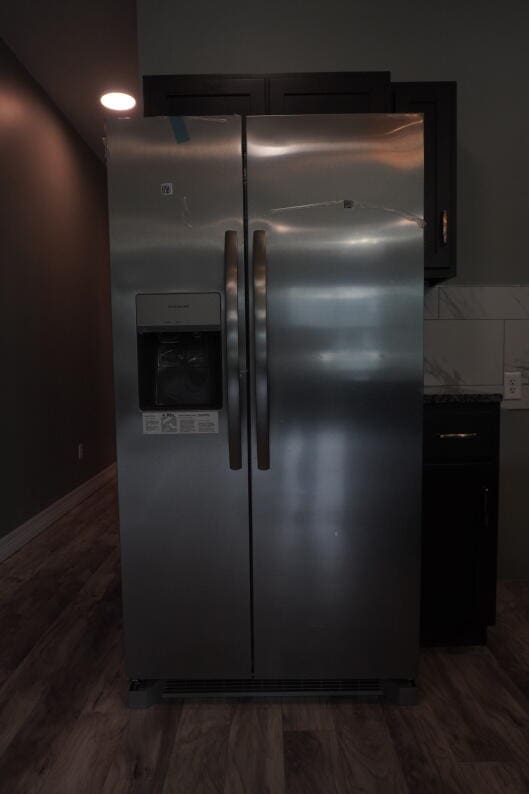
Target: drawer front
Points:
(459, 436)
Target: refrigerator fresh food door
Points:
(176, 223)
(335, 206)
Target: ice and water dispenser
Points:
(179, 351)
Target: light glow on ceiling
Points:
(116, 100)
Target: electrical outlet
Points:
(80, 451)
(512, 386)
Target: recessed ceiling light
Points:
(115, 100)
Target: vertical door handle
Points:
(260, 341)
(231, 314)
(444, 227)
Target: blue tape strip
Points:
(179, 129)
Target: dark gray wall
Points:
(54, 302)
(481, 45)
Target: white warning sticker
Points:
(184, 422)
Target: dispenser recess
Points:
(179, 351)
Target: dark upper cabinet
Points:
(330, 92)
(438, 103)
(211, 95)
(203, 95)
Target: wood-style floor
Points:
(64, 728)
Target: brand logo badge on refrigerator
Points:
(166, 188)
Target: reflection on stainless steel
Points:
(183, 511)
(325, 234)
(398, 146)
(336, 517)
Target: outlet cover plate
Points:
(512, 386)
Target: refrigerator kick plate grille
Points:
(144, 693)
(271, 686)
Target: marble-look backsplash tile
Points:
(517, 348)
(472, 335)
(431, 303)
(481, 302)
(459, 354)
(517, 358)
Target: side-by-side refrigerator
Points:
(267, 292)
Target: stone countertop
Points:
(467, 397)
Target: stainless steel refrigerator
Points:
(267, 289)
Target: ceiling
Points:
(76, 50)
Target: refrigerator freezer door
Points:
(335, 208)
(175, 190)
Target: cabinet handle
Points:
(444, 227)
(460, 436)
(486, 508)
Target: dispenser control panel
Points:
(178, 308)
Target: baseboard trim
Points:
(22, 534)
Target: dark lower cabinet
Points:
(455, 554)
(459, 536)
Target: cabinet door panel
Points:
(203, 95)
(438, 103)
(455, 548)
(354, 92)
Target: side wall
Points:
(55, 346)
